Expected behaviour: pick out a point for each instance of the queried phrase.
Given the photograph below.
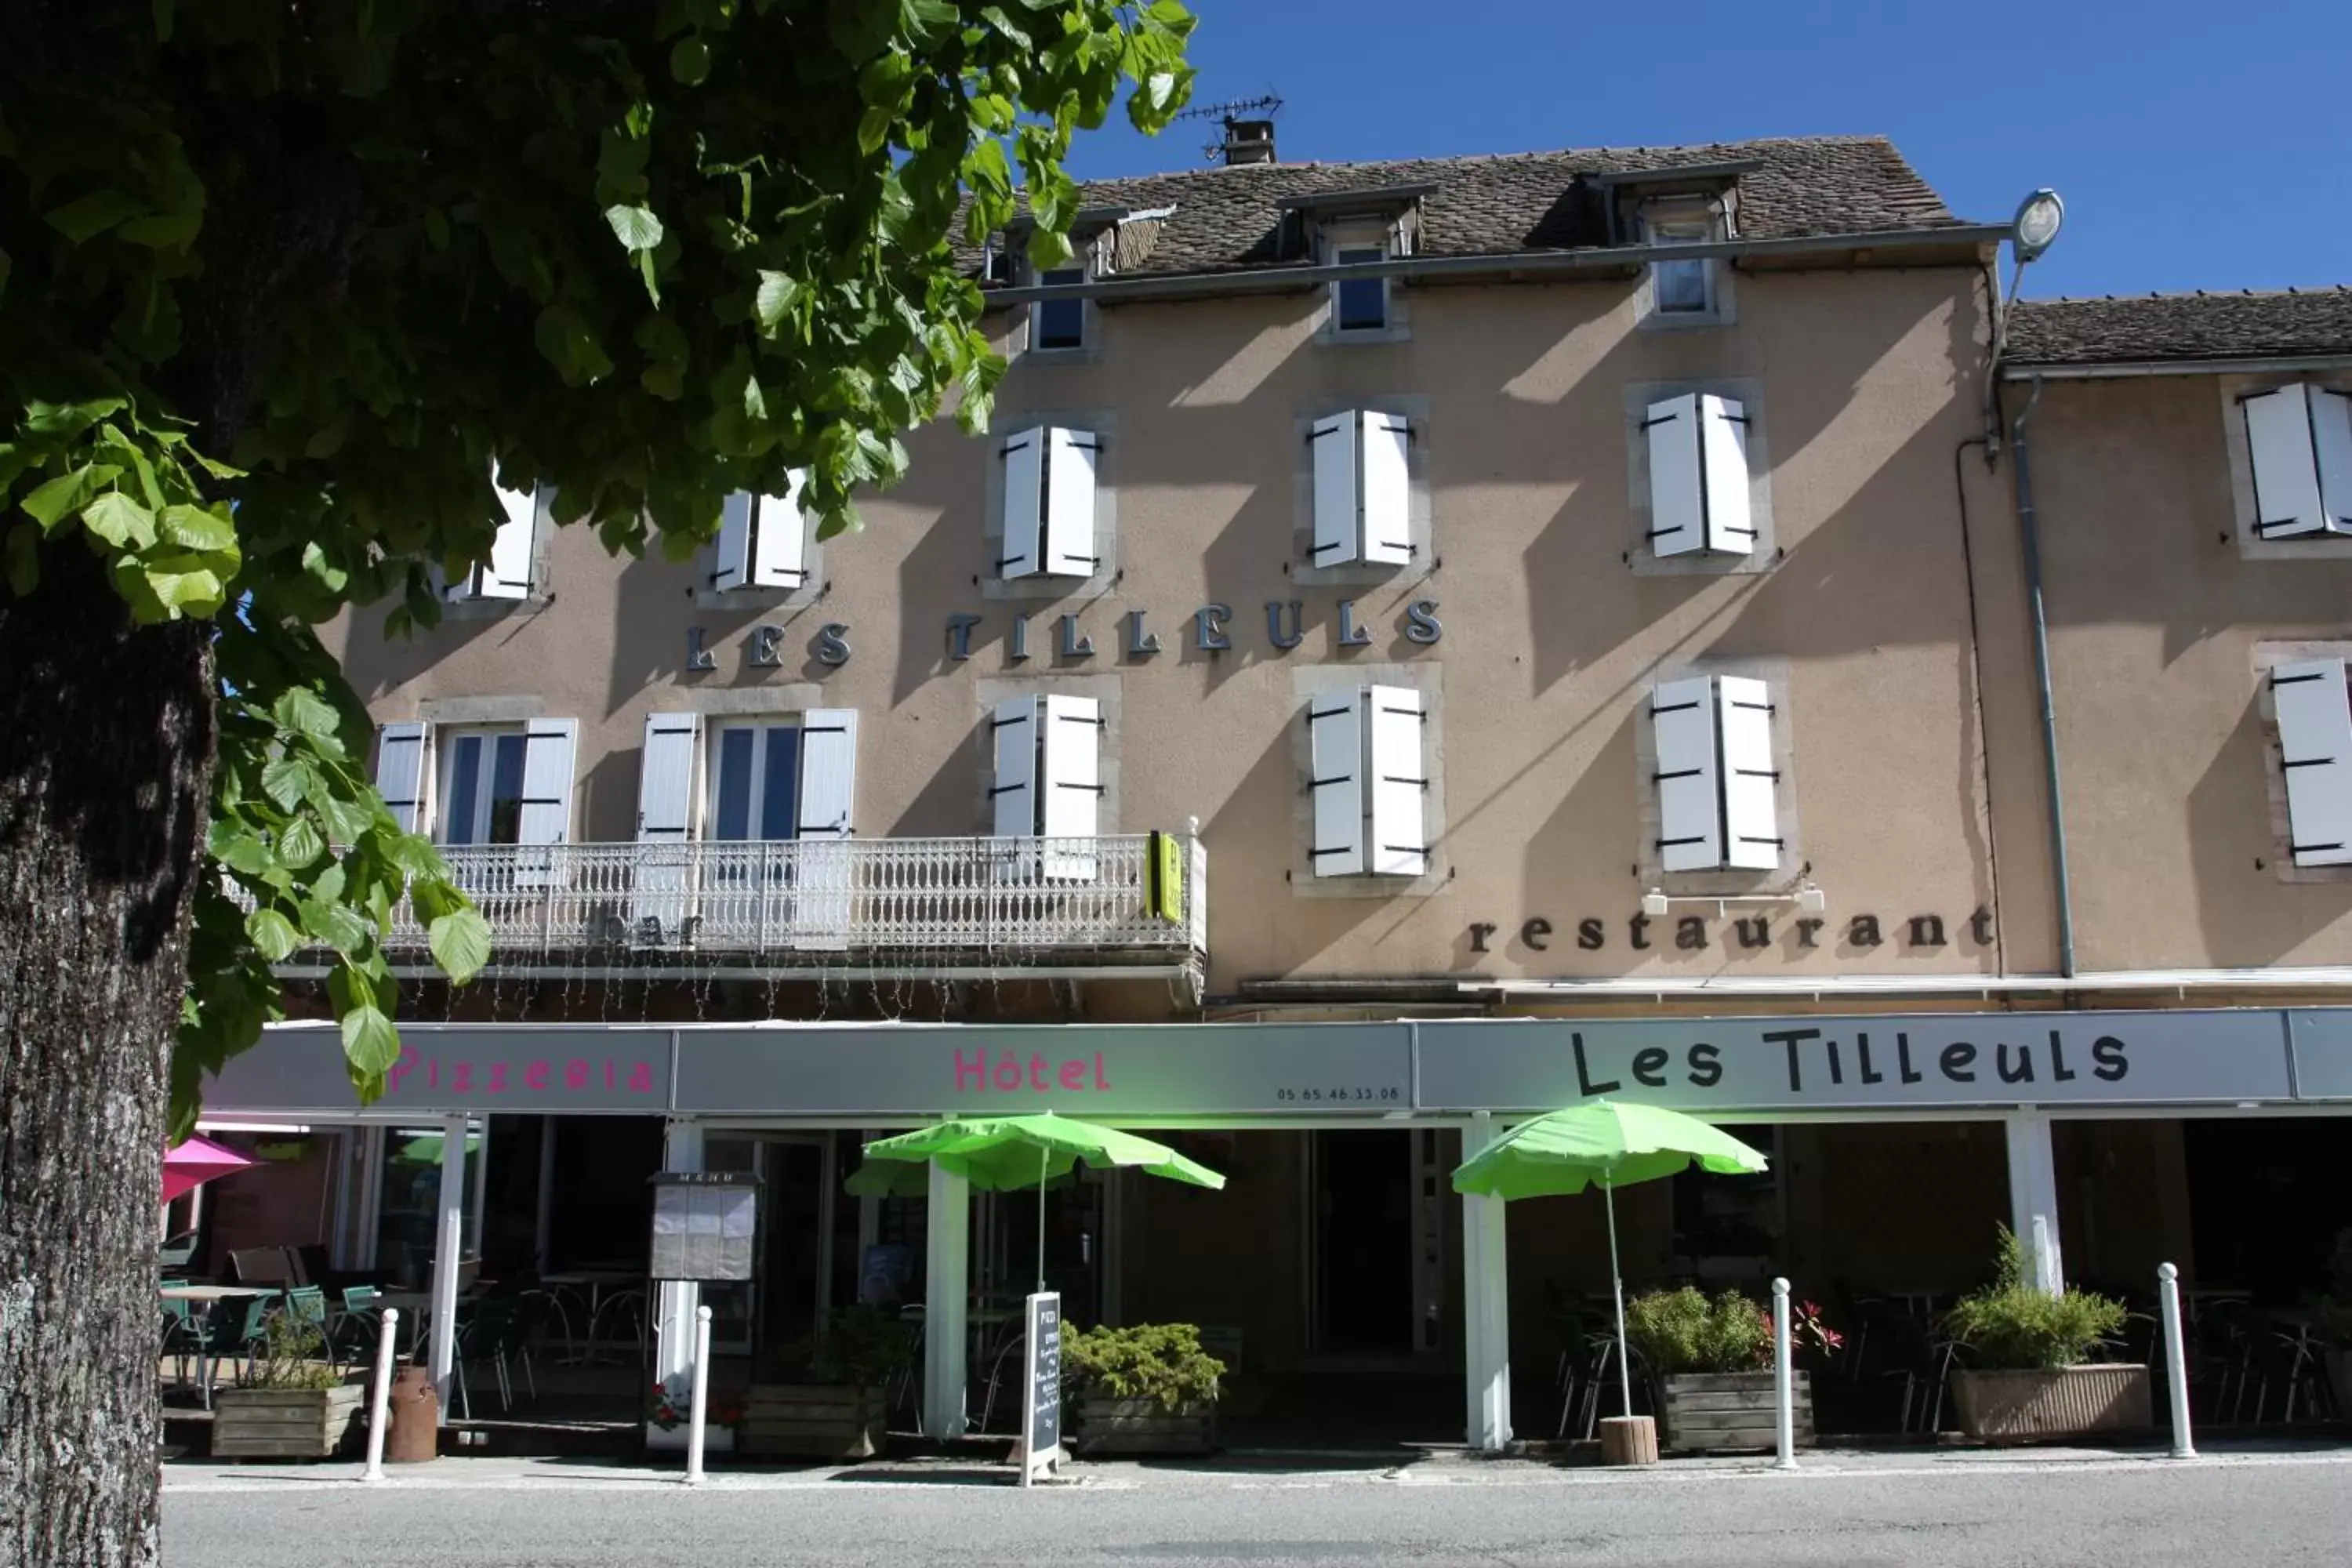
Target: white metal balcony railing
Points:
(909, 906)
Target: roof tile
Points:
(2185, 327)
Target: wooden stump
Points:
(1629, 1440)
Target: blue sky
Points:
(2196, 146)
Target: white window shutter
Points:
(2331, 440)
(1722, 456)
(2314, 725)
(1070, 783)
(1024, 454)
(1337, 506)
(400, 771)
(508, 576)
(1387, 490)
(1399, 760)
(1013, 794)
(666, 778)
(662, 885)
(826, 875)
(733, 568)
(1677, 484)
(1335, 732)
(1682, 721)
(1751, 811)
(780, 542)
(1070, 502)
(2286, 470)
(548, 748)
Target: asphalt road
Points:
(2272, 1512)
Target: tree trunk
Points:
(106, 752)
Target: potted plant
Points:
(831, 1398)
(1149, 1389)
(2028, 1348)
(1714, 1361)
(296, 1404)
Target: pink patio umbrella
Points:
(196, 1161)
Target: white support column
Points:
(2033, 1197)
(448, 1252)
(947, 1284)
(676, 1299)
(545, 1220)
(1485, 1306)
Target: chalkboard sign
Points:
(705, 1224)
(1041, 1422)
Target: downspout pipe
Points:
(2029, 533)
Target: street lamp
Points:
(2039, 219)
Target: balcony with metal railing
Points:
(1131, 904)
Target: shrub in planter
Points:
(2031, 1376)
(829, 1395)
(1149, 1389)
(295, 1405)
(1714, 1361)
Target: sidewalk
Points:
(1246, 1470)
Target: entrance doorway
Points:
(791, 1288)
(1360, 1198)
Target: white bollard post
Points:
(701, 1396)
(380, 1399)
(2168, 1291)
(1784, 1408)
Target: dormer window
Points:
(1683, 287)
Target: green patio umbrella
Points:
(1001, 1153)
(1606, 1144)
(887, 1179)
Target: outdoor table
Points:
(594, 1282)
(210, 1297)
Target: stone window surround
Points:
(1310, 681)
(1361, 234)
(1729, 884)
(1749, 391)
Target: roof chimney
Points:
(1249, 141)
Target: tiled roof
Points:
(2159, 327)
(1228, 218)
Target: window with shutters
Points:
(508, 574)
(766, 547)
(1362, 477)
(1369, 752)
(754, 781)
(2291, 459)
(1714, 770)
(1701, 501)
(1046, 784)
(1050, 519)
(2310, 752)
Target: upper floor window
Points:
(1717, 783)
(1362, 488)
(507, 574)
(506, 784)
(1684, 290)
(1059, 323)
(1698, 476)
(2299, 444)
(755, 780)
(763, 540)
(1049, 503)
(2315, 750)
(1684, 286)
(482, 788)
(1369, 748)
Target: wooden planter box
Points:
(1718, 1410)
(1145, 1427)
(2052, 1403)
(803, 1421)
(286, 1423)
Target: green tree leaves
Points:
(265, 372)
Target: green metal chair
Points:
(187, 1332)
(252, 1331)
(358, 1323)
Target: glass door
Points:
(790, 1288)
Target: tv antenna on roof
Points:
(1231, 112)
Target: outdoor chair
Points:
(178, 1252)
(308, 1304)
(2277, 1363)
(1924, 1362)
(186, 1332)
(252, 1332)
(358, 1321)
(1601, 1378)
(547, 1315)
(260, 1266)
